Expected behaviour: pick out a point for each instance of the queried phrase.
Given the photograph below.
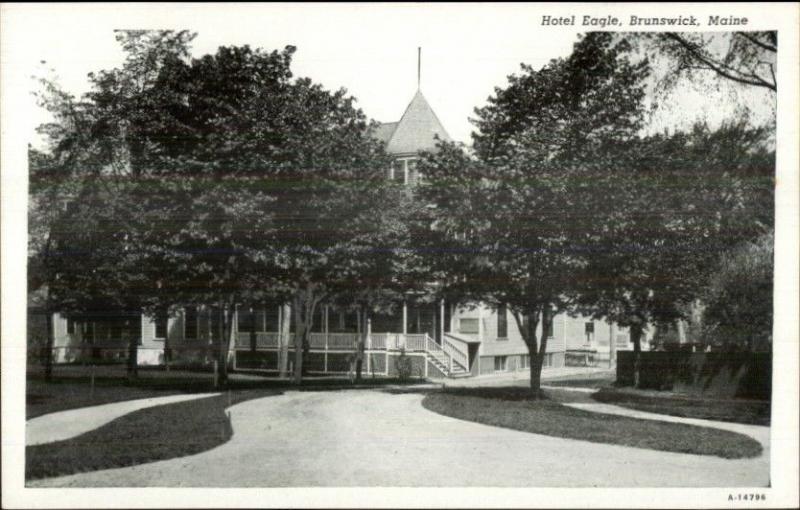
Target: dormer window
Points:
(404, 171)
(399, 171)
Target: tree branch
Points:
(717, 67)
(758, 43)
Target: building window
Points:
(399, 171)
(502, 322)
(468, 326)
(411, 172)
(525, 361)
(589, 331)
(161, 325)
(500, 363)
(622, 340)
(190, 323)
(70, 325)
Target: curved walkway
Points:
(758, 432)
(74, 422)
(372, 438)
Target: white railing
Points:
(416, 342)
(317, 340)
(263, 339)
(379, 340)
(342, 340)
(454, 350)
(435, 350)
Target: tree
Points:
(511, 221)
(746, 58)
(738, 297)
(47, 193)
(279, 182)
(232, 180)
(388, 268)
(681, 201)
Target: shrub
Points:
(404, 366)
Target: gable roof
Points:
(416, 129)
(385, 131)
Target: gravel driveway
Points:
(372, 438)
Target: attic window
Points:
(399, 171)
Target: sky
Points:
(369, 49)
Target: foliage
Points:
(219, 180)
(738, 297)
(747, 58)
(404, 366)
(679, 202)
(512, 221)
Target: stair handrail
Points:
(435, 350)
(450, 348)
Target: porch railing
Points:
(342, 340)
(449, 354)
(416, 342)
(263, 339)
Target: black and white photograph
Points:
(400, 255)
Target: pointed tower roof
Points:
(416, 129)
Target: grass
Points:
(600, 380)
(151, 434)
(509, 407)
(751, 412)
(71, 387)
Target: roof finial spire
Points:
(419, 65)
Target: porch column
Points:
(325, 330)
(441, 321)
(369, 342)
(279, 336)
(405, 317)
(480, 323)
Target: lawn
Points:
(751, 412)
(150, 434)
(599, 380)
(510, 408)
(71, 386)
(154, 433)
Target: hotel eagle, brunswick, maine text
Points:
(638, 21)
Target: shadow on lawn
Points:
(511, 407)
(150, 434)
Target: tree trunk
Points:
(306, 346)
(300, 331)
(362, 342)
(299, 310)
(226, 333)
(133, 355)
(167, 351)
(286, 327)
(537, 362)
(636, 338)
(48, 346)
(527, 326)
